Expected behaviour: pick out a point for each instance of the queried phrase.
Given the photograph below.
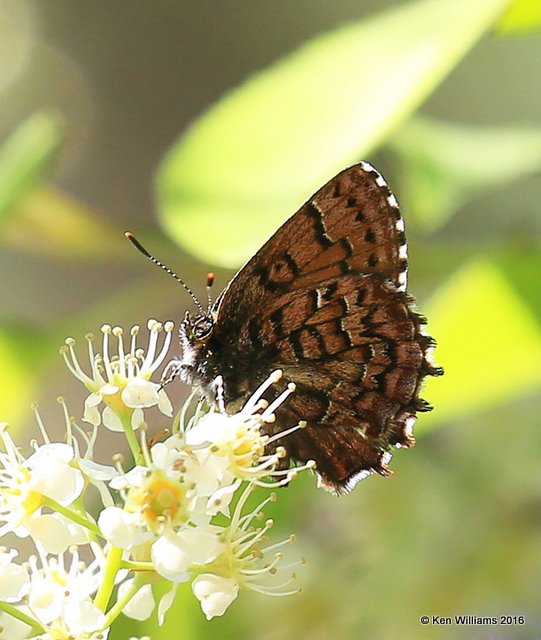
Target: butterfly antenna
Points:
(210, 281)
(142, 249)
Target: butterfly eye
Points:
(202, 328)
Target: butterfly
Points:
(325, 301)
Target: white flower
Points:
(141, 605)
(204, 542)
(157, 496)
(14, 578)
(121, 528)
(24, 483)
(55, 532)
(92, 472)
(214, 593)
(171, 557)
(220, 500)
(174, 514)
(243, 562)
(122, 382)
(59, 594)
(240, 442)
(82, 616)
(52, 474)
(173, 554)
(205, 471)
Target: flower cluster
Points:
(184, 511)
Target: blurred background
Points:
(200, 127)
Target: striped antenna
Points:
(142, 249)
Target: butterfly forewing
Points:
(352, 223)
(324, 299)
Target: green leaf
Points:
(257, 154)
(522, 16)
(25, 156)
(488, 343)
(449, 163)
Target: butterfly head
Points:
(195, 332)
(197, 329)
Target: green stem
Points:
(72, 515)
(137, 566)
(119, 605)
(23, 617)
(133, 442)
(78, 507)
(112, 565)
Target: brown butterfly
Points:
(325, 301)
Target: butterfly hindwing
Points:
(357, 370)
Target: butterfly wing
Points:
(352, 224)
(324, 299)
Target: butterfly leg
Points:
(174, 369)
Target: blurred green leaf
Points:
(258, 153)
(521, 265)
(449, 163)
(54, 225)
(22, 355)
(488, 342)
(38, 218)
(25, 156)
(522, 16)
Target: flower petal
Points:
(55, 532)
(204, 543)
(82, 617)
(139, 393)
(137, 418)
(91, 413)
(46, 599)
(97, 471)
(164, 404)
(53, 477)
(171, 557)
(166, 603)
(214, 593)
(121, 528)
(142, 603)
(220, 500)
(14, 582)
(111, 420)
(108, 389)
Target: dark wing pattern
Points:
(325, 300)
